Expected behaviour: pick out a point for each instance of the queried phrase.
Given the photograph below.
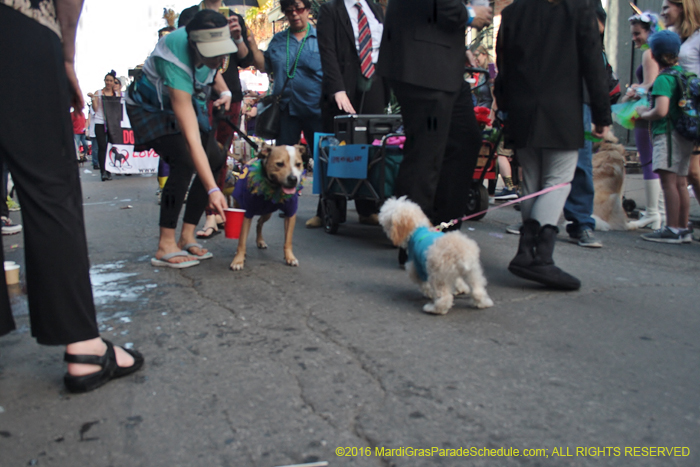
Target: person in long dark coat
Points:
(546, 49)
(423, 56)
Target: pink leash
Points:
(444, 225)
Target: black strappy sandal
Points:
(110, 370)
(210, 235)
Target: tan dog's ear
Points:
(301, 149)
(265, 151)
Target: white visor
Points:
(213, 42)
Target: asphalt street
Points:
(335, 361)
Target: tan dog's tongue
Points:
(289, 191)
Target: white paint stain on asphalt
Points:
(116, 295)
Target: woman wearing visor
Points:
(167, 107)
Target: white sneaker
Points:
(651, 221)
(514, 228)
(8, 228)
(687, 234)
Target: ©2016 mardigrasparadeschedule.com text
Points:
(473, 451)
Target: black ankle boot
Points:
(526, 248)
(542, 268)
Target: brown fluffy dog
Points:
(269, 183)
(608, 182)
(451, 261)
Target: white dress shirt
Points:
(375, 27)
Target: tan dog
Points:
(269, 183)
(442, 264)
(608, 183)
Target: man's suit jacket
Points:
(339, 58)
(423, 43)
(545, 52)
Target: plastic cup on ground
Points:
(11, 274)
(234, 222)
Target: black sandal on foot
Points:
(206, 235)
(110, 370)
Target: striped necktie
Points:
(365, 40)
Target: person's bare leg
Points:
(504, 167)
(694, 174)
(670, 189)
(167, 245)
(210, 224)
(684, 201)
(187, 236)
(94, 347)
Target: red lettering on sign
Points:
(145, 154)
(128, 136)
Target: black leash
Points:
(220, 115)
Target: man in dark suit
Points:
(345, 88)
(423, 56)
(546, 49)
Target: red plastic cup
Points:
(234, 222)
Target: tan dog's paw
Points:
(261, 244)
(291, 260)
(237, 263)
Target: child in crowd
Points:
(671, 153)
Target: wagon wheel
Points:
(478, 200)
(331, 215)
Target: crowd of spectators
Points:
(351, 63)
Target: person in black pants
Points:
(167, 107)
(459, 161)
(345, 90)
(100, 130)
(423, 55)
(61, 307)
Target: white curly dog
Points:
(443, 264)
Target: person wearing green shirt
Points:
(167, 107)
(671, 151)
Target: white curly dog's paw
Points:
(485, 302)
(433, 310)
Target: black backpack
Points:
(688, 124)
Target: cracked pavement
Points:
(274, 365)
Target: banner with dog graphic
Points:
(121, 158)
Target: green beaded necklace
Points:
(291, 72)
